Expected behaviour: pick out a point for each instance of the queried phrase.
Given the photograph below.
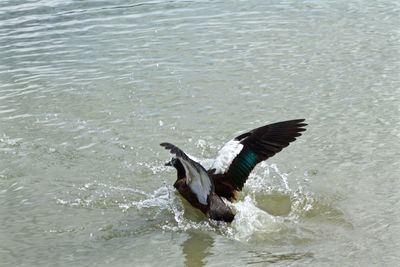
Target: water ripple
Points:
(88, 89)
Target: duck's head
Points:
(173, 163)
(176, 163)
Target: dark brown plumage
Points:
(204, 189)
(215, 208)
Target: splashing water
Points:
(250, 219)
(255, 215)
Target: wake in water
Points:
(267, 205)
(253, 217)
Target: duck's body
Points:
(203, 188)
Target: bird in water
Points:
(204, 189)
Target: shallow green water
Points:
(88, 90)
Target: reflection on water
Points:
(284, 258)
(196, 248)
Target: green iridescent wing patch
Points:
(241, 167)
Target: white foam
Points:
(249, 220)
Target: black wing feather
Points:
(260, 144)
(180, 154)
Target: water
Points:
(88, 90)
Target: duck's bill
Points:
(168, 163)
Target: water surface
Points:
(88, 90)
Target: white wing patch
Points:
(226, 155)
(198, 181)
(192, 157)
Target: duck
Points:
(210, 190)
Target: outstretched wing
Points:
(238, 157)
(196, 176)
